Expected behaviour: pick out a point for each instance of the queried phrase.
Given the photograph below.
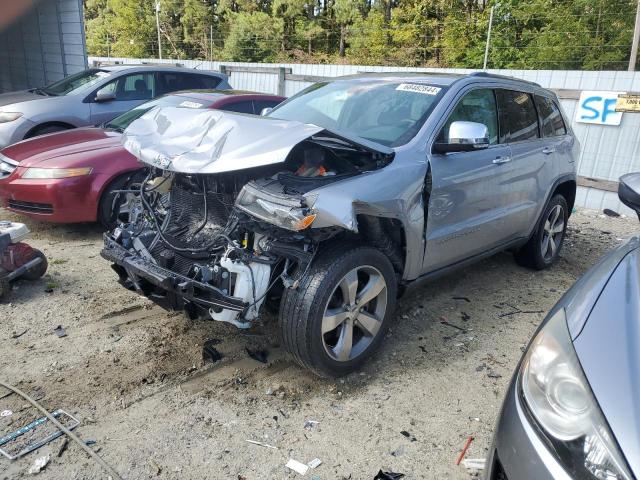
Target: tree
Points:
(253, 37)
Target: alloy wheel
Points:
(552, 233)
(354, 313)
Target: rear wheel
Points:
(336, 318)
(543, 249)
(39, 270)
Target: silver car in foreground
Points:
(572, 410)
(92, 97)
(344, 195)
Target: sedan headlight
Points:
(282, 212)
(53, 173)
(6, 117)
(557, 395)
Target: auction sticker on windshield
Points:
(418, 88)
(188, 104)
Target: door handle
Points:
(548, 150)
(500, 160)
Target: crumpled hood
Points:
(213, 141)
(66, 145)
(609, 351)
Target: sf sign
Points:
(598, 107)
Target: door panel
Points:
(467, 201)
(466, 206)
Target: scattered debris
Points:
(258, 354)
(398, 452)
(462, 298)
(388, 476)
(39, 465)
(465, 316)
(310, 424)
(444, 321)
(6, 413)
(315, 463)
(408, 435)
(63, 447)
(474, 463)
(423, 348)
(254, 442)
(209, 352)
(464, 449)
(297, 466)
(7, 440)
(18, 335)
(516, 310)
(610, 213)
(60, 331)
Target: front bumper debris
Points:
(168, 289)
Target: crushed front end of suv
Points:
(324, 209)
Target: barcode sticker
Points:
(418, 88)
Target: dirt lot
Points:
(134, 374)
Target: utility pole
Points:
(158, 28)
(211, 44)
(486, 48)
(636, 39)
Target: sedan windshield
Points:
(386, 112)
(75, 82)
(123, 121)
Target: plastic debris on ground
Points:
(474, 463)
(388, 476)
(310, 424)
(408, 435)
(60, 331)
(39, 465)
(258, 354)
(610, 213)
(209, 352)
(6, 413)
(254, 442)
(315, 463)
(463, 452)
(297, 466)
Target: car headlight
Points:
(53, 173)
(557, 395)
(6, 117)
(282, 212)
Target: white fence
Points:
(607, 151)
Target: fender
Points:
(562, 179)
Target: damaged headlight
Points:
(559, 398)
(283, 212)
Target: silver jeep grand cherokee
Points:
(339, 198)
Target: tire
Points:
(105, 215)
(302, 311)
(543, 248)
(39, 270)
(45, 129)
(5, 287)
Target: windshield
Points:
(74, 82)
(386, 112)
(123, 121)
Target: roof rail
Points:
(120, 63)
(503, 77)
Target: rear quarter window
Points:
(518, 116)
(552, 123)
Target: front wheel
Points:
(337, 317)
(543, 248)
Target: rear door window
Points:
(551, 119)
(518, 116)
(137, 86)
(175, 81)
(477, 106)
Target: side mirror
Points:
(629, 191)
(265, 111)
(105, 96)
(465, 137)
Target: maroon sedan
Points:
(73, 176)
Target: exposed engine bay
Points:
(218, 245)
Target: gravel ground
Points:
(135, 377)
